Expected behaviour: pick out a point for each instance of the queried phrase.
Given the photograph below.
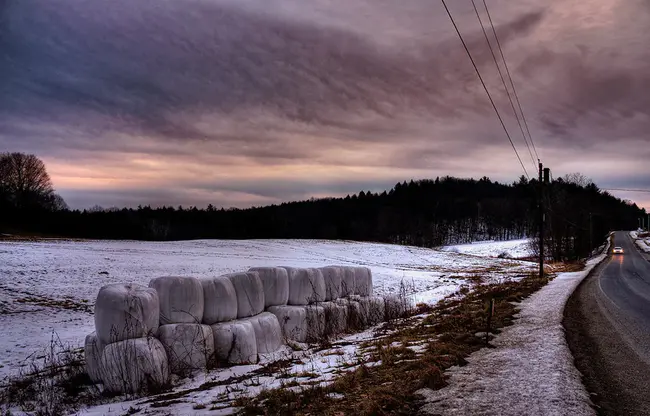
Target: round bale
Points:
(125, 311)
(250, 293)
(220, 300)
(275, 281)
(135, 365)
(181, 299)
(188, 346)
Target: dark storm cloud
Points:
(139, 64)
(207, 87)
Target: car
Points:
(617, 250)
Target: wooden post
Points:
(541, 221)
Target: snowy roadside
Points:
(643, 245)
(530, 371)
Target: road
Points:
(608, 331)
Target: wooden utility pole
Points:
(591, 233)
(541, 221)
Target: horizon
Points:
(254, 103)
(341, 196)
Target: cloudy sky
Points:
(250, 102)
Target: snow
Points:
(530, 371)
(515, 249)
(52, 285)
(643, 245)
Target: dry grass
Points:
(446, 336)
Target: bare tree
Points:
(25, 183)
(577, 178)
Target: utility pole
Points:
(541, 222)
(591, 234)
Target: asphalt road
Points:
(608, 330)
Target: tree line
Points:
(425, 213)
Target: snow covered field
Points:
(51, 285)
(514, 249)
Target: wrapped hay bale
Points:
(250, 293)
(347, 281)
(336, 318)
(305, 286)
(300, 323)
(125, 311)
(395, 307)
(332, 276)
(93, 349)
(354, 313)
(235, 342)
(181, 299)
(188, 346)
(134, 365)
(268, 333)
(292, 320)
(275, 282)
(220, 300)
(372, 309)
(362, 281)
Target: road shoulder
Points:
(530, 371)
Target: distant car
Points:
(617, 250)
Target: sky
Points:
(250, 102)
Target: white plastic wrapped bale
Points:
(234, 342)
(347, 281)
(362, 281)
(332, 276)
(395, 307)
(267, 332)
(354, 313)
(292, 320)
(305, 286)
(336, 318)
(250, 293)
(93, 349)
(315, 322)
(181, 299)
(188, 346)
(134, 365)
(301, 323)
(372, 309)
(275, 281)
(125, 311)
(220, 300)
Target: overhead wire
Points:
(505, 63)
(625, 190)
(453, 22)
(503, 81)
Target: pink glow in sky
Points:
(250, 102)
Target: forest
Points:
(427, 213)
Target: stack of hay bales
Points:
(328, 301)
(188, 343)
(124, 353)
(244, 331)
(181, 324)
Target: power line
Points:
(505, 63)
(625, 190)
(503, 81)
(485, 87)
